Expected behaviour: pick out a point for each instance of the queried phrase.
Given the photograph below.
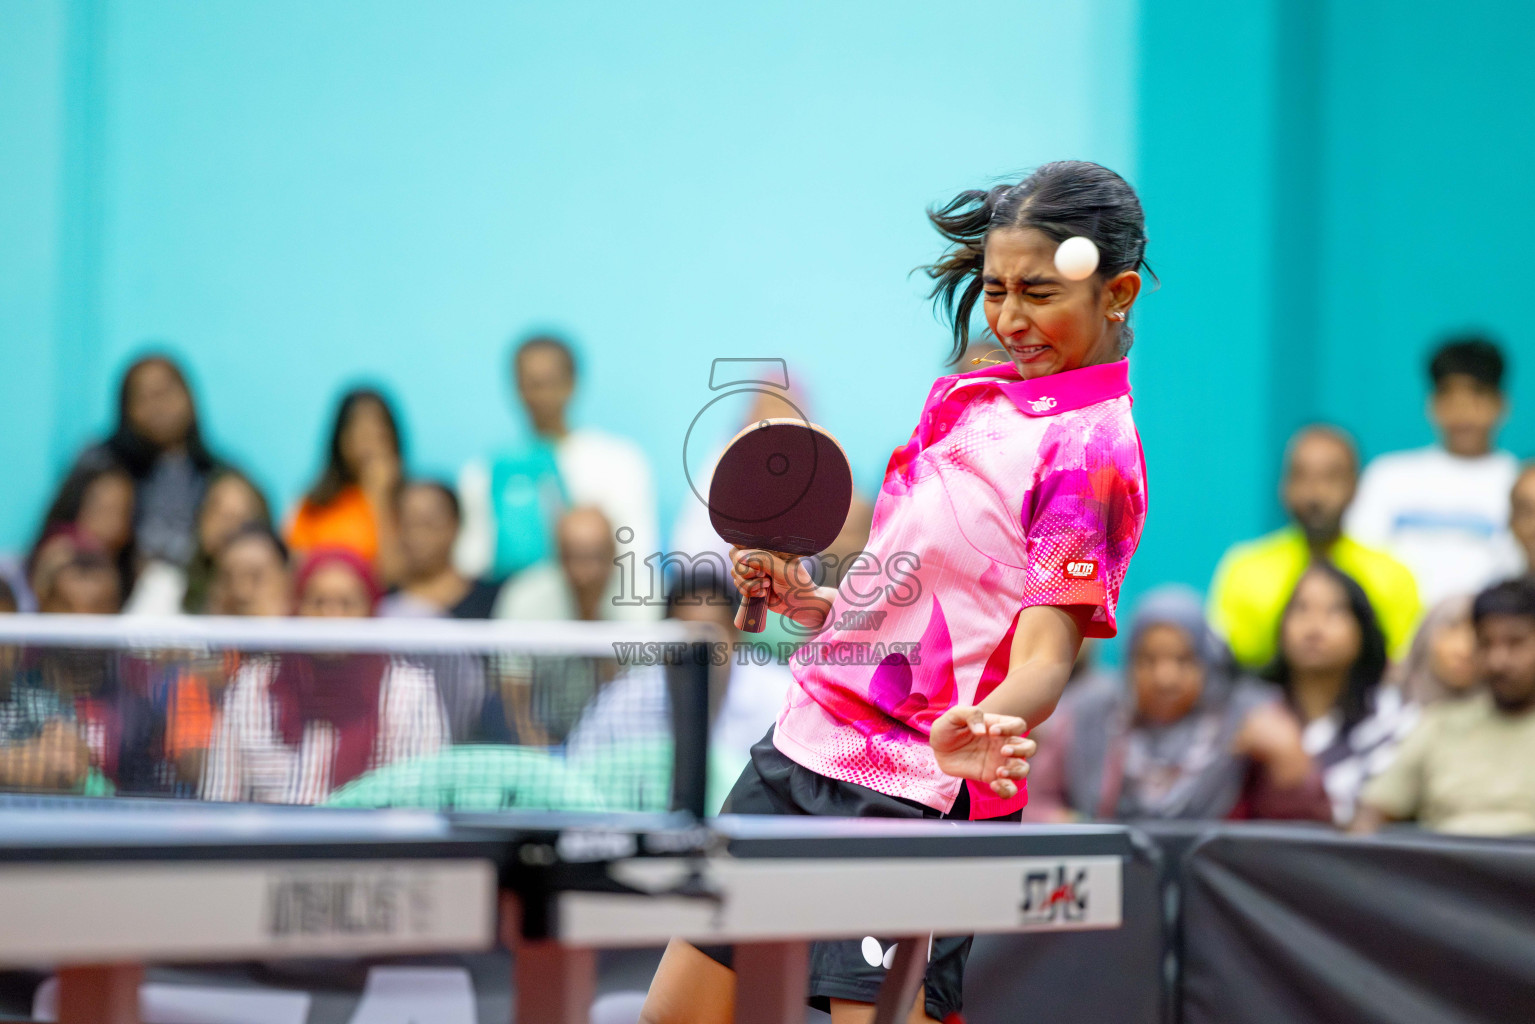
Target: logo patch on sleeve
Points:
(1082, 570)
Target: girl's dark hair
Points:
(70, 498)
(200, 568)
(336, 476)
(1365, 674)
(1061, 199)
(136, 453)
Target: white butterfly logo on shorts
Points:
(875, 955)
(1042, 404)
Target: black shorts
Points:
(847, 969)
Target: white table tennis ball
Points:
(1076, 258)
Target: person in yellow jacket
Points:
(1254, 580)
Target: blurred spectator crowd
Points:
(1373, 661)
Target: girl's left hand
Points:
(972, 744)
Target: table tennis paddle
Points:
(782, 485)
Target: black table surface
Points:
(43, 828)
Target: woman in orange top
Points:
(352, 506)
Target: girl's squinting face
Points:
(1046, 323)
(1319, 633)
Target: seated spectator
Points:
(251, 574)
(1521, 519)
(745, 700)
(230, 502)
(1442, 663)
(118, 724)
(1255, 579)
(430, 587)
(1469, 766)
(585, 584)
(1443, 510)
(84, 695)
(352, 506)
(1332, 657)
(39, 747)
(540, 698)
(511, 502)
(1183, 735)
(96, 499)
(160, 444)
(72, 575)
(296, 726)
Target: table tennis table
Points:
(99, 888)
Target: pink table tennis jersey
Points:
(1010, 494)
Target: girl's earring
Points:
(1118, 315)
(984, 359)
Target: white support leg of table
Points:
(100, 994)
(772, 979)
(902, 981)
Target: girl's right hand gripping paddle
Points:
(782, 485)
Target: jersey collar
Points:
(1059, 392)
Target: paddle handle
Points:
(752, 615)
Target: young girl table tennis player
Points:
(1001, 535)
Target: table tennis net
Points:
(371, 713)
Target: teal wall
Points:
(1430, 210)
(294, 196)
(32, 120)
(1330, 188)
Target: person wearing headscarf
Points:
(1182, 735)
(297, 726)
(1441, 665)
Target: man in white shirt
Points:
(1444, 510)
(510, 502)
